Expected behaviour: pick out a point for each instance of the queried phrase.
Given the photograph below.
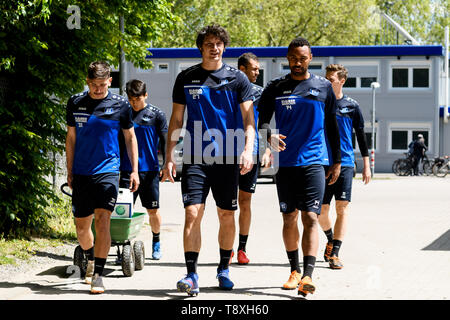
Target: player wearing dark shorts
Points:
(248, 64)
(94, 120)
(150, 125)
(349, 118)
(304, 105)
(216, 96)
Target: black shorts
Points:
(300, 188)
(148, 189)
(222, 179)
(98, 191)
(247, 182)
(342, 188)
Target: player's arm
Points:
(334, 139)
(248, 119)
(133, 155)
(71, 139)
(363, 148)
(266, 108)
(173, 134)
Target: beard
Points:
(298, 71)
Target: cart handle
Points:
(64, 191)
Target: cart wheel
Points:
(80, 260)
(139, 255)
(127, 260)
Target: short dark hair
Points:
(136, 88)
(342, 72)
(245, 58)
(299, 42)
(215, 30)
(99, 70)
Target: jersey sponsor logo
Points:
(287, 92)
(195, 81)
(288, 103)
(82, 108)
(195, 93)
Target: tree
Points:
(44, 61)
(322, 22)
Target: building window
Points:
(420, 78)
(410, 77)
(163, 68)
(402, 135)
(366, 81)
(350, 83)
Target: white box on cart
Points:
(124, 204)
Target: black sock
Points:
(336, 246)
(309, 263)
(191, 261)
(224, 258)
(89, 254)
(329, 234)
(156, 237)
(293, 260)
(242, 242)
(99, 265)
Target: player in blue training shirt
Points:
(304, 106)
(349, 117)
(248, 63)
(94, 120)
(150, 126)
(216, 148)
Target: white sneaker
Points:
(97, 284)
(89, 272)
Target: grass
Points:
(60, 229)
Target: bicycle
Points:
(404, 167)
(441, 166)
(427, 165)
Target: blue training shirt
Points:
(349, 117)
(98, 123)
(300, 109)
(213, 101)
(149, 124)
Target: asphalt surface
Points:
(397, 247)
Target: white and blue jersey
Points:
(301, 109)
(98, 123)
(213, 101)
(149, 125)
(349, 117)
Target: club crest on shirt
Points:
(109, 110)
(314, 92)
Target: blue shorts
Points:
(301, 188)
(148, 189)
(98, 191)
(247, 182)
(342, 188)
(222, 179)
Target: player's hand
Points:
(169, 172)
(334, 171)
(246, 162)
(134, 181)
(276, 142)
(366, 175)
(266, 159)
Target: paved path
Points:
(397, 247)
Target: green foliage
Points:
(42, 63)
(322, 22)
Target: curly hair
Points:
(215, 30)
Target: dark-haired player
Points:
(218, 99)
(304, 106)
(94, 120)
(150, 126)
